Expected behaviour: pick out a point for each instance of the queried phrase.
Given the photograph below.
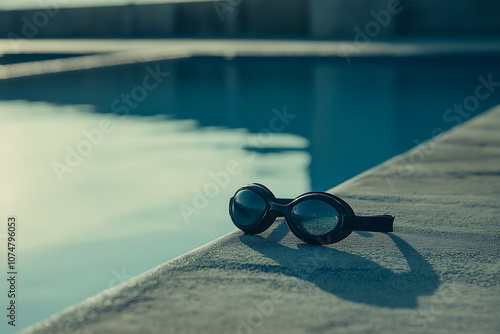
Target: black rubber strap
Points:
(382, 223)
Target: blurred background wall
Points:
(316, 19)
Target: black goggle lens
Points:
(315, 217)
(247, 208)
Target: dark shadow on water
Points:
(351, 277)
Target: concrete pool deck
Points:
(438, 271)
(98, 53)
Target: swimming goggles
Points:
(314, 217)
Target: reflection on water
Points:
(155, 183)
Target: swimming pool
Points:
(113, 171)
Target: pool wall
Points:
(367, 19)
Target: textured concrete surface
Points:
(256, 47)
(437, 273)
(98, 53)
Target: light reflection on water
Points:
(117, 213)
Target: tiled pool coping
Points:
(438, 272)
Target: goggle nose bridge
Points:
(281, 208)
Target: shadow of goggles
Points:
(314, 217)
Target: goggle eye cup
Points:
(247, 208)
(315, 217)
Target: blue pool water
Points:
(114, 171)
